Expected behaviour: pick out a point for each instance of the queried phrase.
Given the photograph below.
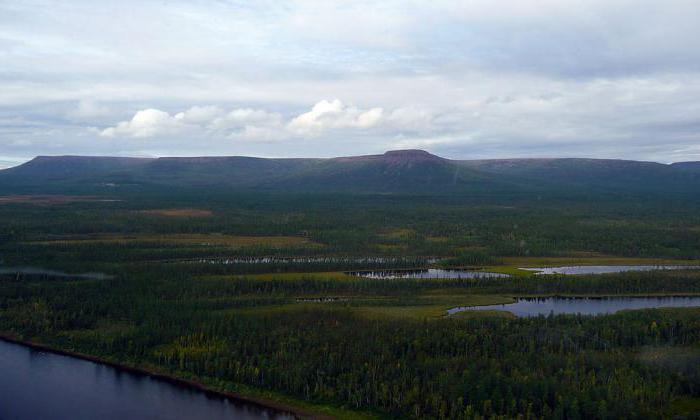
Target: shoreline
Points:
(262, 403)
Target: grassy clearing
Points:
(399, 234)
(482, 314)
(512, 265)
(437, 239)
(402, 312)
(431, 306)
(212, 239)
(506, 269)
(599, 260)
(188, 212)
(428, 306)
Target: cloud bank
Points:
(247, 123)
(616, 78)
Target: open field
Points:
(597, 260)
(178, 212)
(484, 314)
(429, 307)
(512, 265)
(420, 307)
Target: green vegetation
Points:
(250, 294)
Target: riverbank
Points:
(263, 403)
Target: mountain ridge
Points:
(395, 171)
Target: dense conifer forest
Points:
(252, 294)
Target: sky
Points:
(465, 79)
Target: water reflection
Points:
(604, 269)
(38, 271)
(40, 385)
(527, 307)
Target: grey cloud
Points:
(616, 78)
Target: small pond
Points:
(527, 307)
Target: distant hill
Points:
(401, 171)
(600, 173)
(687, 166)
(235, 171)
(43, 169)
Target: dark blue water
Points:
(527, 307)
(36, 385)
(431, 273)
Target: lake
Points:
(527, 307)
(431, 273)
(38, 271)
(604, 269)
(41, 385)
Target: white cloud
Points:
(146, 123)
(199, 114)
(197, 120)
(326, 115)
(369, 118)
(246, 123)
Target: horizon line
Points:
(20, 161)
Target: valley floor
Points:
(254, 297)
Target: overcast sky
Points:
(462, 79)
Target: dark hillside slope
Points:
(48, 169)
(607, 174)
(170, 171)
(402, 171)
(687, 166)
(236, 171)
